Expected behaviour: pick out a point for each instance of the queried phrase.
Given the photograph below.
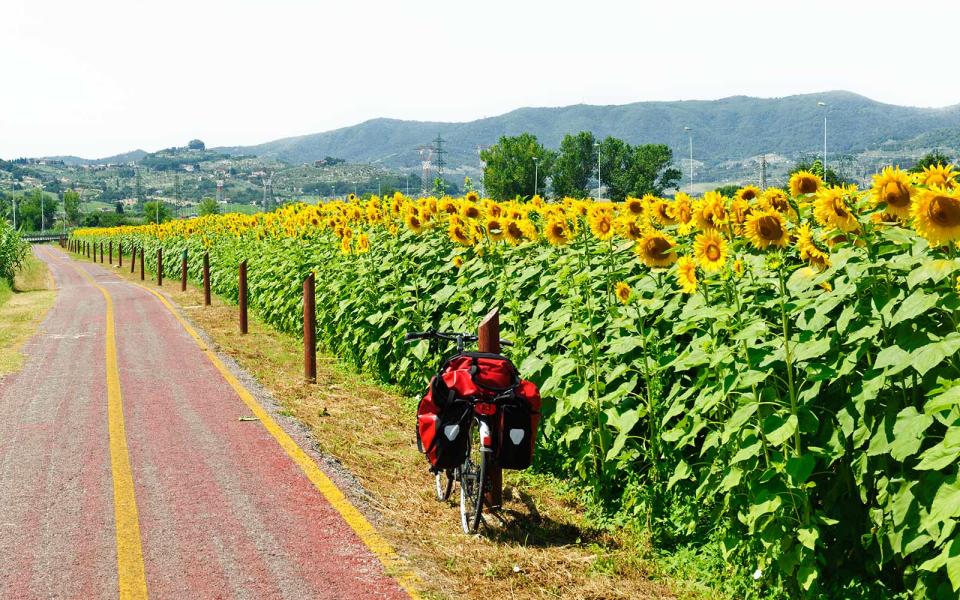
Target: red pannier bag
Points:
(442, 427)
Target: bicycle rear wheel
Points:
(473, 478)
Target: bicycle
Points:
(473, 473)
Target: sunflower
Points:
(711, 211)
(804, 182)
(687, 274)
(767, 228)
(623, 292)
(831, 209)
(892, 187)
(363, 243)
(494, 229)
(936, 215)
(459, 233)
(656, 249)
(682, 208)
(458, 262)
(601, 224)
(557, 232)
(711, 250)
(518, 230)
(665, 212)
(345, 245)
(809, 250)
(470, 211)
(472, 196)
(938, 175)
(739, 210)
(413, 222)
(628, 227)
(633, 206)
(776, 199)
(747, 193)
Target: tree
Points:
(575, 164)
(816, 167)
(31, 206)
(930, 159)
(511, 168)
(151, 210)
(118, 207)
(208, 206)
(71, 206)
(636, 170)
(196, 145)
(728, 190)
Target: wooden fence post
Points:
(206, 279)
(120, 253)
(159, 266)
(309, 330)
(488, 340)
(141, 262)
(111, 252)
(133, 259)
(101, 252)
(183, 272)
(242, 293)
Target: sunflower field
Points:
(773, 378)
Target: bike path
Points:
(218, 507)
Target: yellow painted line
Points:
(130, 572)
(392, 563)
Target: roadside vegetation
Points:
(25, 296)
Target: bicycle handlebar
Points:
(460, 338)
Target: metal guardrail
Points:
(44, 237)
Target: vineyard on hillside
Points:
(773, 375)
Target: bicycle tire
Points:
(443, 484)
(472, 482)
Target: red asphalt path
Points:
(224, 512)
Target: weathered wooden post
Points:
(141, 262)
(309, 330)
(159, 266)
(111, 252)
(133, 259)
(120, 253)
(101, 252)
(206, 279)
(183, 271)
(243, 297)
(488, 340)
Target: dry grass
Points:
(21, 310)
(545, 549)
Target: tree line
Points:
(520, 166)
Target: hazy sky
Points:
(98, 77)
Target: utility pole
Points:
(690, 140)
(597, 144)
(536, 174)
(824, 105)
(440, 162)
(43, 224)
(763, 172)
(408, 185)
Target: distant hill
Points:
(117, 159)
(727, 129)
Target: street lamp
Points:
(597, 146)
(824, 105)
(690, 139)
(43, 224)
(408, 185)
(536, 174)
